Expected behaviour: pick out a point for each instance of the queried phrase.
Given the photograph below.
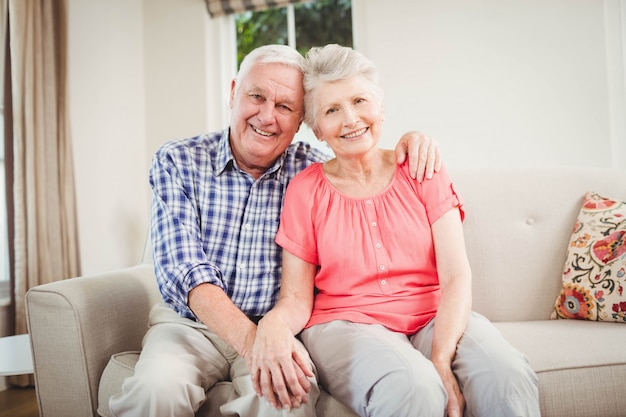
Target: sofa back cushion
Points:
(517, 227)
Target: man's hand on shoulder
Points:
(423, 153)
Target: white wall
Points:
(107, 105)
(513, 82)
(500, 83)
(180, 71)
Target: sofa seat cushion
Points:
(122, 365)
(573, 356)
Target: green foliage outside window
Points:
(317, 23)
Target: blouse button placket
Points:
(379, 255)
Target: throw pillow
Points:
(594, 276)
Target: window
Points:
(301, 26)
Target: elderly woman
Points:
(375, 274)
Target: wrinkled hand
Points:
(423, 153)
(456, 401)
(279, 365)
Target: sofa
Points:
(86, 332)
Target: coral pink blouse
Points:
(375, 255)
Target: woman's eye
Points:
(283, 109)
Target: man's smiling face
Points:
(267, 109)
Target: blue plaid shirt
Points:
(213, 222)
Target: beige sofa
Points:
(517, 230)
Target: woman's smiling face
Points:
(348, 115)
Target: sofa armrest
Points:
(75, 325)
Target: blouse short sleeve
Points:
(438, 195)
(296, 230)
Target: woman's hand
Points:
(279, 365)
(456, 401)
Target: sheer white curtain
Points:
(45, 242)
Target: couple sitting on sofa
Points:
(375, 278)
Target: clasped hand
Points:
(279, 365)
(456, 400)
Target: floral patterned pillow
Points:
(594, 276)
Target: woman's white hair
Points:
(270, 54)
(332, 63)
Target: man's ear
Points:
(232, 93)
(299, 126)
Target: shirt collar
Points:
(225, 156)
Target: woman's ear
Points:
(318, 134)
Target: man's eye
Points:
(256, 98)
(331, 110)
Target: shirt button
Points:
(382, 267)
(378, 246)
(247, 226)
(383, 282)
(368, 202)
(373, 224)
(242, 266)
